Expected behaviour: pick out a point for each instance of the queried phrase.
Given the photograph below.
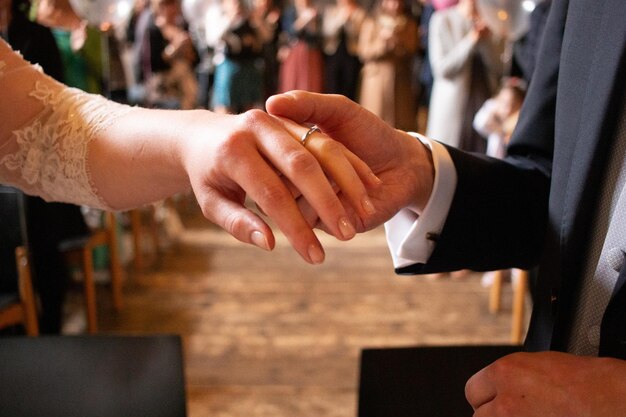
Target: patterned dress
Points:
(302, 69)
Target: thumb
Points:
(363, 133)
(329, 111)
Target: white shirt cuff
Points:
(411, 237)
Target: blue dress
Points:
(238, 84)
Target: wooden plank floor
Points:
(267, 335)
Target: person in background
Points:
(497, 117)
(341, 27)
(238, 82)
(136, 28)
(387, 44)
(443, 4)
(464, 58)
(178, 52)
(425, 73)
(265, 18)
(300, 51)
(166, 55)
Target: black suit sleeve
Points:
(499, 213)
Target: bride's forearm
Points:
(143, 151)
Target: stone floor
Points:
(266, 334)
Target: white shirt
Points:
(407, 232)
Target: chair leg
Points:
(495, 294)
(135, 221)
(114, 262)
(154, 231)
(27, 294)
(90, 290)
(519, 299)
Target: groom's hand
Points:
(403, 163)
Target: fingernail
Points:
(259, 239)
(368, 206)
(316, 255)
(346, 228)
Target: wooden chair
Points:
(520, 288)
(138, 228)
(106, 235)
(21, 308)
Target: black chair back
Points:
(92, 376)
(421, 381)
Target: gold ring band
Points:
(305, 137)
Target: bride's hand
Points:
(348, 174)
(260, 156)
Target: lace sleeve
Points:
(45, 130)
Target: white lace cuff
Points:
(47, 154)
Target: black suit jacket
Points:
(536, 207)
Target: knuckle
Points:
(234, 224)
(241, 135)
(328, 147)
(301, 162)
(498, 368)
(344, 100)
(274, 196)
(505, 406)
(332, 204)
(503, 367)
(233, 145)
(253, 117)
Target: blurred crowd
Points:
(397, 58)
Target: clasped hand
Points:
(352, 176)
(549, 384)
(260, 156)
(403, 165)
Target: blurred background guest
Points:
(167, 57)
(388, 40)
(238, 82)
(341, 28)
(265, 18)
(497, 117)
(136, 28)
(300, 53)
(422, 71)
(466, 66)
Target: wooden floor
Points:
(265, 334)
